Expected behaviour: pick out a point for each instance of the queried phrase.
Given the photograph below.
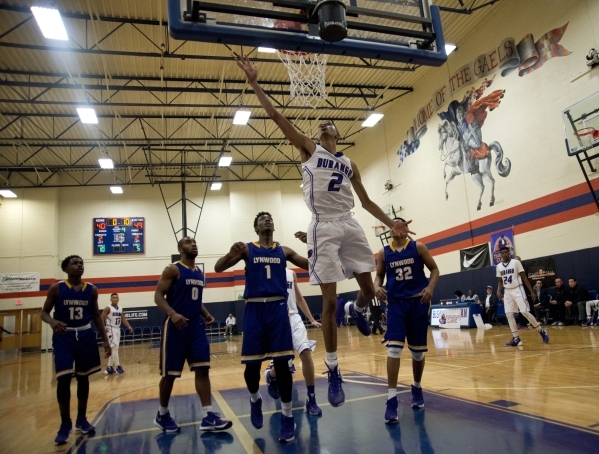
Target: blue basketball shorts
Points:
(266, 332)
(76, 352)
(180, 344)
(407, 319)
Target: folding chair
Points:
(137, 334)
(146, 333)
(156, 332)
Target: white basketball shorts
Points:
(514, 300)
(114, 336)
(336, 244)
(299, 334)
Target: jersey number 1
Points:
(76, 313)
(267, 271)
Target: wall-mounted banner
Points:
(503, 238)
(507, 57)
(136, 315)
(475, 258)
(19, 282)
(541, 269)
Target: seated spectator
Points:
(557, 307)
(471, 298)
(576, 301)
(489, 305)
(230, 322)
(541, 304)
(459, 295)
(592, 304)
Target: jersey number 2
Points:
(76, 313)
(337, 180)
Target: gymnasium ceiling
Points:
(165, 107)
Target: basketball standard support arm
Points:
(301, 42)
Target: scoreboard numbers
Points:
(119, 236)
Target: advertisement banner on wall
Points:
(463, 312)
(475, 258)
(19, 282)
(450, 318)
(542, 268)
(502, 238)
(136, 315)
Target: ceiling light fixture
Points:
(216, 186)
(87, 115)
(241, 117)
(7, 193)
(372, 120)
(50, 23)
(116, 189)
(106, 163)
(225, 159)
(449, 48)
(267, 50)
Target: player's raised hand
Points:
(237, 249)
(179, 320)
(302, 236)
(381, 294)
(401, 228)
(250, 70)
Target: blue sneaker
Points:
(273, 388)
(336, 395)
(120, 370)
(516, 342)
(287, 429)
(292, 368)
(110, 371)
(256, 413)
(214, 422)
(166, 423)
(361, 322)
(63, 433)
(391, 412)
(589, 322)
(417, 398)
(312, 407)
(83, 426)
(545, 336)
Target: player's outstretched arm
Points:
(429, 262)
(379, 279)
(100, 323)
(400, 228)
(237, 252)
(295, 258)
(302, 304)
(303, 143)
(168, 277)
(51, 298)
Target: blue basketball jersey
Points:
(74, 307)
(185, 294)
(265, 274)
(405, 271)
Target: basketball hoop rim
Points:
(585, 132)
(294, 52)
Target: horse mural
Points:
(461, 144)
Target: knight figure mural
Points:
(461, 141)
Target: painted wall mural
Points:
(461, 141)
(508, 57)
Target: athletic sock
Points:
(163, 410)
(514, 334)
(286, 408)
(206, 409)
(359, 310)
(310, 390)
(417, 384)
(392, 393)
(331, 360)
(254, 397)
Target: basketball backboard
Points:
(394, 30)
(580, 120)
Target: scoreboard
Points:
(119, 236)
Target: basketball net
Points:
(306, 75)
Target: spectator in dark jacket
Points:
(541, 304)
(557, 308)
(489, 303)
(577, 299)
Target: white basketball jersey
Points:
(113, 320)
(510, 273)
(291, 302)
(327, 189)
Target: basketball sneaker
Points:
(312, 407)
(361, 322)
(597, 322)
(110, 371)
(166, 423)
(273, 388)
(516, 342)
(544, 336)
(83, 426)
(120, 370)
(391, 412)
(417, 397)
(287, 433)
(336, 395)
(256, 413)
(589, 322)
(292, 368)
(63, 433)
(213, 422)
